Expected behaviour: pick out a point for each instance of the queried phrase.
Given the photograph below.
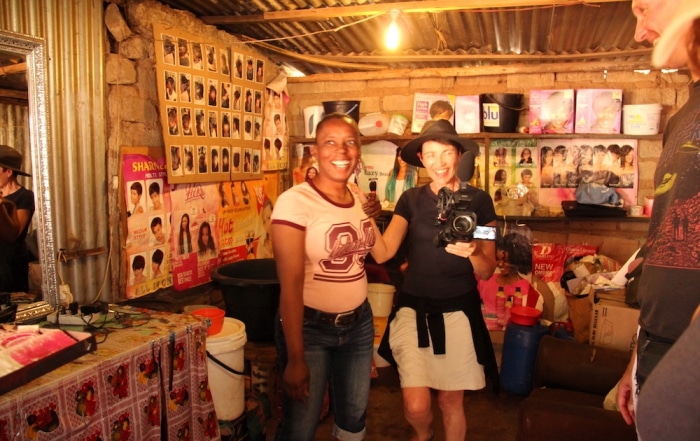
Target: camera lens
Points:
(463, 224)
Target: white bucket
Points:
(227, 388)
(381, 298)
(312, 116)
(397, 124)
(641, 119)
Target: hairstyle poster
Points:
(306, 167)
(219, 223)
(176, 234)
(431, 106)
(145, 201)
(564, 164)
(275, 128)
(382, 164)
(513, 175)
(211, 101)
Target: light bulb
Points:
(392, 36)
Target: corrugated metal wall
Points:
(75, 48)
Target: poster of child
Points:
(514, 268)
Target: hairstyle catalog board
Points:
(174, 235)
(211, 107)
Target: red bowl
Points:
(215, 316)
(524, 315)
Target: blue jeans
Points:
(342, 358)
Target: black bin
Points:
(251, 292)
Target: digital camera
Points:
(454, 214)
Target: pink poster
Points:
(193, 233)
(147, 199)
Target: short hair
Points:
(154, 188)
(439, 107)
(157, 257)
(138, 187)
(337, 116)
(156, 221)
(139, 262)
(526, 172)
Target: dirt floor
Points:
(490, 417)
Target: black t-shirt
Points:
(433, 272)
(14, 256)
(669, 287)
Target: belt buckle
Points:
(339, 318)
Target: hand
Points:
(372, 207)
(370, 204)
(295, 381)
(462, 249)
(625, 389)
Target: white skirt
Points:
(457, 369)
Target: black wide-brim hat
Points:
(12, 159)
(437, 130)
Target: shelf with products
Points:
(494, 135)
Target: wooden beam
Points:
(317, 14)
(477, 71)
(14, 94)
(13, 68)
(452, 58)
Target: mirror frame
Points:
(33, 49)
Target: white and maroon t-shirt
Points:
(338, 237)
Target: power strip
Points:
(79, 319)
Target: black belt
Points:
(337, 319)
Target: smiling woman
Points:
(28, 54)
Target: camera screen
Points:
(484, 232)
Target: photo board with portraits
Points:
(211, 107)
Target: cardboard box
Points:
(613, 325)
(422, 103)
(598, 110)
(551, 111)
(467, 114)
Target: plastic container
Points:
(312, 116)
(215, 316)
(189, 308)
(397, 124)
(225, 364)
(641, 119)
(525, 315)
(520, 344)
(251, 292)
(351, 108)
(374, 124)
(501, 111)
(381, 298)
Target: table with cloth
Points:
(147, 380)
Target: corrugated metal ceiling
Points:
(327, 36)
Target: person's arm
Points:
(625, 389)
(12, 220)
(388, 244)
(288, 247)
(481, 253)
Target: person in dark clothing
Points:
(16, 211)
(437, 334)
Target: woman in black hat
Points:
(16, 211)
(436, 335)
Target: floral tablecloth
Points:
(147, 380)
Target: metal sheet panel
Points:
(75, 47)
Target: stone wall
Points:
(130, 73)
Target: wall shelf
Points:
(493, 135)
